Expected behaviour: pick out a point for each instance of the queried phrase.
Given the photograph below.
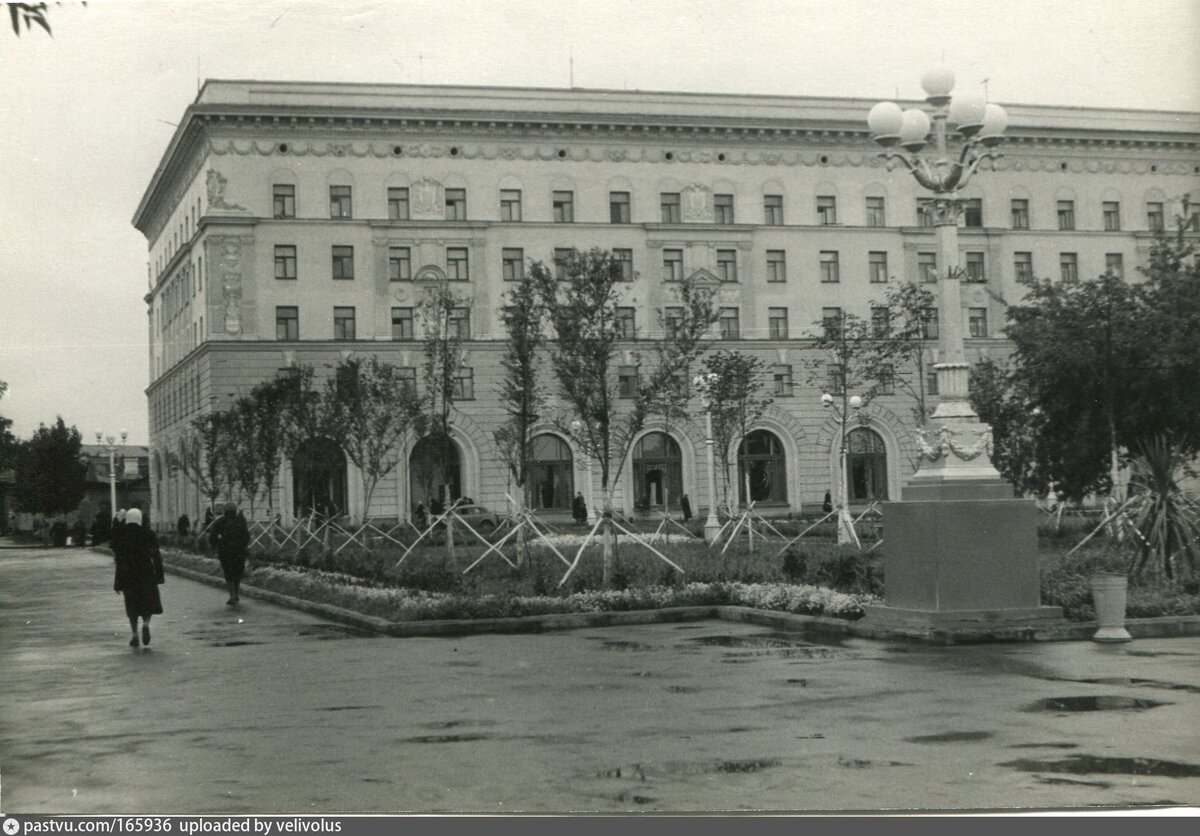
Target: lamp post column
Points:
(951, 368)
(711, 525)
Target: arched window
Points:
(657, 471)
(551, 479)
(761, 457)
(429, 481)
(319, 479)
(866, 462)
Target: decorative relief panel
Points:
(229, 310)
(428, 200)
(217, 183)
(697, 203)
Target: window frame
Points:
(670, 206)
(1019, 213)
(877, 266)
(400, 264)
(291, 323)
(729, 324)
(723, 209)
(672, 267)
(727, 266)
(876, 215)
(458, 264)
(456, 204)
(339, 321)
(342, 256)
(510, 256)
(399, 207)
(620, 207)
(562, 208)
(285, 255)
(288, 199)
(776, 267)
(777, 323)
(826, 210)
(341, 204)
(406, 318)
(829, 267)
(772, 210)
(510, 207)
(1066, 215)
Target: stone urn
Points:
(1108, 595)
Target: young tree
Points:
(267, 402)
(50, 470)
(898, 350)
(734, 391)
(372, 408)
(203, 448)
(444, 357)
(582, 309)
(520, 394)
(1015, 426)
(242, 457)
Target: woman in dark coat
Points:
(231, 536)
(139, 572)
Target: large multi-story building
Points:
(294, 223)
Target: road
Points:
(264, 709)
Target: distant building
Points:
(292, 223)
(133, 479)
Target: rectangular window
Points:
(343, 323)
(1020, 214)
(464, 384)
(727, 265)
(836, 377)
(627, 381)
(974, 267)
(977, 322)
(1066, 214)
(408, 374)
(562, 255)
(773, 210)
(458, 323)
(875, 212)
(672, 317)
(458, 268)
(669, 201)
(929, 323)
(831, 320)
(881, 322)
(343, 262)
(931, 384)
(927, 267)
(877, 264)
(402, 324)
(399, 264)
(776, 266)
(510, 205)
(777, 323)
(340, 202)
(826, 210)
(283, 200)
(887, 381)
(1114, 264)
(829, 267)
(456, 204)
(1155, 219)
(285, 261)
(512, 263)
(618, 207)
(728, 324)
(723, 208)
(397, 199)
(1023, 265)
(287, 323)
(672, 265)
(1112, 216)
(624, 258)
(781, 374)
(563, 205)
(973, 212)
(924, 211)
(627, 323)
(1068, 266)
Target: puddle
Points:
(951, 737)
(622, 644)
(446, 738)
(803, 683)
(454, 724)
(682, 689)
(1045, 779)
(1107, 703)
(625, 797)
(754, 765)
(646, 772)
(232, 644)
(1044, 746)
(1135, 683)
(1091, 765)
(863, 763)
(348, 708)
(760, 640)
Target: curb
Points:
(817, 626)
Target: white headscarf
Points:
(133, 517)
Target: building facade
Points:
(294, 223)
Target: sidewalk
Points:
(265, 709)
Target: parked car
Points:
(479, 518)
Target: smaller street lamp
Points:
(845, 525)
(109, 443)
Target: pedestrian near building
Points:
(231, 536)
(421, 517)
(139, 572)
(579, 509)
(686, 505)
(184, 526)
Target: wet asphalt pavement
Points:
(263, 709)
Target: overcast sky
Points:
(85, 115)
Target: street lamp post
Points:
(961, 553)
(110, 445)
(845, 526)
(712, 526)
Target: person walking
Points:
(231, 536)
(579, 509)
(184, 526)
(685, 505)
(139, 572)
